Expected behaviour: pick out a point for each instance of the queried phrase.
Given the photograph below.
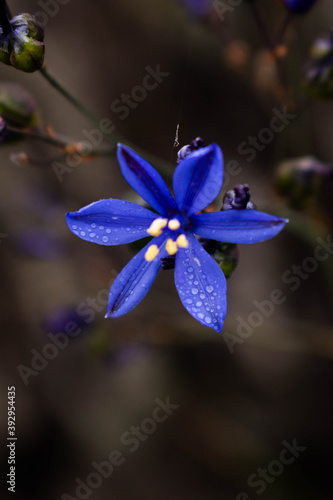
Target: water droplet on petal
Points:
(202, 296)
(74, 227)
(92, 235)
(198, 304)
(93, 224)
(83, 233)
(108, 231)
(194, 291)
(105, 239)
(200, 316)
(188, 301)
(101, 228)
(209, 288)
(208, 320)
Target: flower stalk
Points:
(76, 103)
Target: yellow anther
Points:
(151, 253)
(182, 241)
(155, 228)
(171, 247)
(174, 224)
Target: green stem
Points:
(77, 104)
(282, 29)
(161, 166)
(269, 43)
(40, 136)
(54, 141)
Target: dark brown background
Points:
(234, 409)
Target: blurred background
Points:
(237, 399)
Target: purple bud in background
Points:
(299, 6)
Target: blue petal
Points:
(146, 181)
(237, 226)
(198, 179)
(110, 222)
(135, 279)
(201, 285)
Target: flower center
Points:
(172, 245)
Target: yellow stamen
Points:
(151, 253)
(171, 247)
(174, 224)
(155, 228)
(182, 241)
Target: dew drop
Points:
(194, 291)
(209, 288)
(208, 320)
(74, 227)
(92, 235)
(190, 269)
(198, 304)
(200, 316)
(105, 239)
(108, 231)
(188, 301)
(101, 228)
(202, 296)
(93, 225)
(190, 276)
(82, 233)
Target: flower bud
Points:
(319, 70)
(17, 107)
(21, 44)
(227, 256)
(299, 6)
(185, 151)
(238, 198)
(301, 179)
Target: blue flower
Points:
(197, 181)
(299, 6)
